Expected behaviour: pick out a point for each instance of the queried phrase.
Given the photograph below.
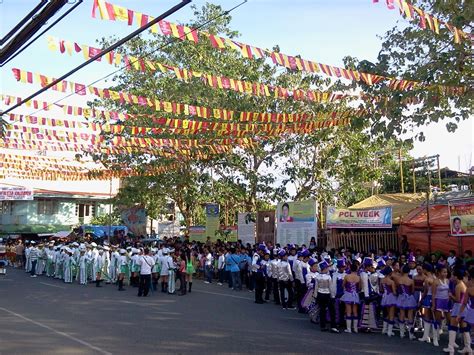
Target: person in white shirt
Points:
(208, 266)
(27, 256)
(82, 261)
(33, 256)
(113, 266)
(164, 273)
(99, 265)
(123, 268)
(285, 280)
(221, 268)
(322, 290)
(146, 263)
(274, 275)
(451, 258)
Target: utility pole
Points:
(428, 192)
(439, 173)
(414, 177)
(110, 211)
(401, 169)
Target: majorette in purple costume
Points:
(389, 299)
(351, 295)
(406, 298)
(442, 296)
(469, 311)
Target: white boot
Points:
(426, 332)
(355, 321)
(402, 330)
(467, 344)
(348, 326)
(452, 338)
(384, 328)
(435, 336)
(390, 330)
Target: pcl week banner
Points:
(380, 217)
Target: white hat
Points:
(75, 244)
(122, 251)
(94, 244)
(165, 251)
(33, 242)
(106, 248)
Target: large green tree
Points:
(336, 165)
(433, 60)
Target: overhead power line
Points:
(101, 54)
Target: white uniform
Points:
(68, 263)
(57, 262)
(42, 257)
(166, 261)
(28, 261)
(310, 277)
(82, 269)
(284, 271)
(114, 261)
(99, 264)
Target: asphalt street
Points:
(45, 316)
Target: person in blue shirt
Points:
(245, 264)
(233, 262)
(228, 275)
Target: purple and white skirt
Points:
(469, 315)
(389, 300)
(456, 309)
(350, 298)
(442, 304)
(405, 301)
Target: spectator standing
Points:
(34, 255)
(20, 254)
(146, 263)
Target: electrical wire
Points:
(171, 41)
(76, 4)
(100, 55)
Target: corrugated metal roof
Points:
(401, 204)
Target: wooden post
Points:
(439, 174)
(428, 191)
(401, 169)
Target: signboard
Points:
(379, 217)
(461, 217)
(296, 222)
(16, 193)
(135, 219)
(212, 220)
(265, 226)
(246, 228)
(197, 233)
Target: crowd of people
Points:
(341, 290)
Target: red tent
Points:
(415, 227)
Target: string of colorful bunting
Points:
(112, 12)
(214, 81)
(425, 20)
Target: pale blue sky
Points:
(320, 30)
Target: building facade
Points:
(51, 211)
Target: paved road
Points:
(42, 315)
